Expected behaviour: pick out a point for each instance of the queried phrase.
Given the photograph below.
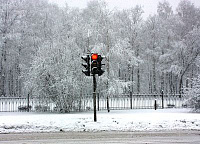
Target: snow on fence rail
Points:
(139, 101)
(18, 104)
(128, 101)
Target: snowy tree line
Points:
(41, 46)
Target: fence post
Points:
(131, 100)
(80, 103)
(155, 104)
(108, 107)
(28, 101)
(162, 99)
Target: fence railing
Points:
(126, 101)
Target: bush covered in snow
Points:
(194, 95)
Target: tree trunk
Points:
(154, 76)
(138, 80)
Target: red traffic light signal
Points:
(94, 56)
(94, 63)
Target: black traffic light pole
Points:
(94, 97)
(94, 69)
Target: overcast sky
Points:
(149, 6)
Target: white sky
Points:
(149, 6)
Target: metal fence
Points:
(126, 101)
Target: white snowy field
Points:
(122, 120)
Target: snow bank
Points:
(124, 120)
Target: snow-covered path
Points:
(124, 120)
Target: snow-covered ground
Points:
(123, 120)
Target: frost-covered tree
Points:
(41, 47)
(126, 36)
(193, 94)
(11, 17)
(187, 45)
(54, 72)
(53, 76)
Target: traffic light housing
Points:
(94, 63)
(86, 65)
(99, 65)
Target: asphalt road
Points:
(170, 137)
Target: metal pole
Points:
(162, 99)
(94, 97)
(28, 101)
(108, 107)
(98, 101)
(131, 100)
(155, 104)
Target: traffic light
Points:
(86, 65)
(99, 64)
(94, 63)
